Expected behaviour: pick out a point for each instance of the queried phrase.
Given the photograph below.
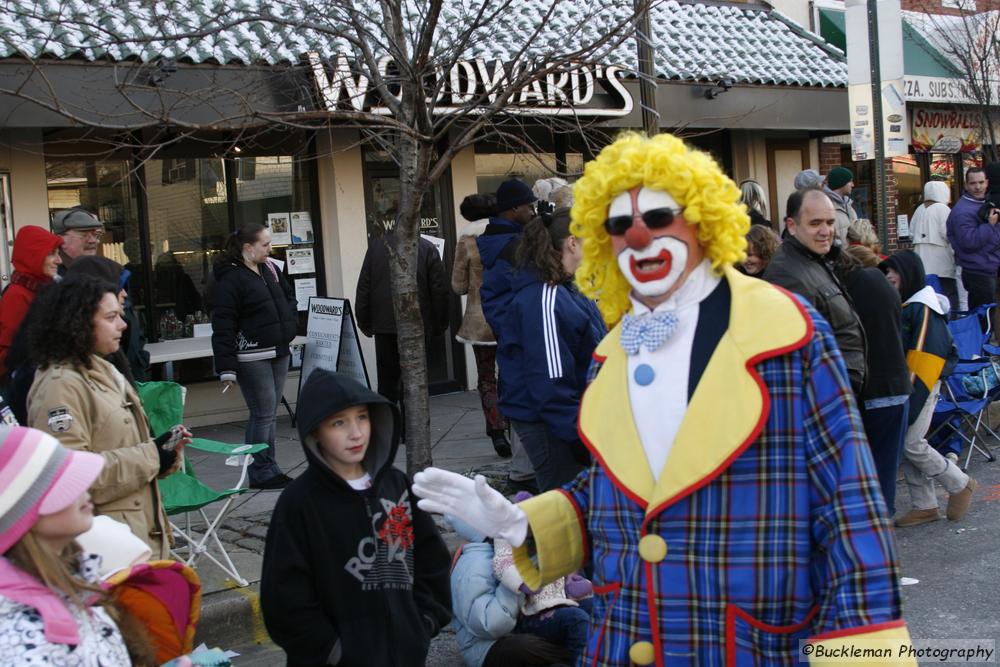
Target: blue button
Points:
(644, 375)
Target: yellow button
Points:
(652, 548)
(642, 653)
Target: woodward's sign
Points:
(945, 130)
(584, 90)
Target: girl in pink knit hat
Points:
(50, 603)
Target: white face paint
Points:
(656, 269)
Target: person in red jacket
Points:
(36, 260)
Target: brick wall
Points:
(891, 193)
(830, 156)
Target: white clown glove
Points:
(475, 502)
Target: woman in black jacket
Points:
(253, 321)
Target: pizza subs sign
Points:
(584, 90)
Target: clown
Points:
(732, 514)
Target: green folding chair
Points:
(183, 493)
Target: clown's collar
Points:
(696, 288)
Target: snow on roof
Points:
(692, 41)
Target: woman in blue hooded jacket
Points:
(548, 340)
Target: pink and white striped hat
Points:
(38, 477)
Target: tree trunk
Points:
(406, 304)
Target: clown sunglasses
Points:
(656, 218)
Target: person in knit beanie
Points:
(839, 183)
(49, 598)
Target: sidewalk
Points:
(230, 615)
(953, 562)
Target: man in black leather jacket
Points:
(803, 265)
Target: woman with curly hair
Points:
(87, 404)
(762, 243)
(545, 375)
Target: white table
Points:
(169, 351)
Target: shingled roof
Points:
(692, 41)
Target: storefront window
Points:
(492, 169)
(106, 188)
(191, 207)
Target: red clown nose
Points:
(637, 236)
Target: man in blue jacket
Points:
(975, 238)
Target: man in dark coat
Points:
(801, 265)
(375, 310)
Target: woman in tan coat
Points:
(467, 278)
(87, 404)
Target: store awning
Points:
(920, 58)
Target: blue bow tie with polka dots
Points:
(650, 330)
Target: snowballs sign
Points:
(584, 91)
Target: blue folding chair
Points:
(957, 401)
(971, 331)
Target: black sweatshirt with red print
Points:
(352, 578)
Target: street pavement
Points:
(953, 565)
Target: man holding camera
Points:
(975, 237)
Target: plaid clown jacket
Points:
(766, 527)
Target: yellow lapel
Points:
(726, 413)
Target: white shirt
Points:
(361, 483)
(659, 407)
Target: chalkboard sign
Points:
(332, 340)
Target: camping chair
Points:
(970, 330)
(184, 493)
(971, 409)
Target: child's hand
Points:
(474, 502)
(578, 586)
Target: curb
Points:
(231, 618)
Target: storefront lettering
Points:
(558, 92)
(945, 130)
(426, 224)
(943, 89)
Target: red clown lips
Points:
(651, 268)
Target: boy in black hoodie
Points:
(354, 574)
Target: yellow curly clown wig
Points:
(664, 162)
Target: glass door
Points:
(6, 229)
(445, 358)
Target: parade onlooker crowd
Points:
(66, 343)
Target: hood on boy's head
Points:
(326, 393)
(908, 265)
